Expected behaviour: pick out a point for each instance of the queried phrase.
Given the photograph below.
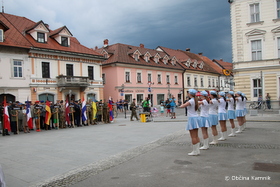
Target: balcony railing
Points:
(70, 81)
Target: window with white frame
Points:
(256, 49)
(167, 79)
(278, 8)
(201, 82)
(40, 37)
(127, 76)
(136, 57)
(17, 68)
(139, 77)
(188, 80)
(195, 81)
(1, 35)
(91, 72)
(156, 60)
(257, 87)
(149, 77)
(64, 41)
(147, 58)
(159, 78)
(176, 79)
(213, 83)
(209, 82)
(278, 46)
(255, 12)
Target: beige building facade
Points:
(255, 28)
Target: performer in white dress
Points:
(222, 115)
(204, 117)
(239, 112)
(231, 112)
(193, 121)
(213, 116)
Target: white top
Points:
(222, 106)
(239, 104)
(213, 107)
(191, 108)
(231, 103)
(244, 103)
(204, 112)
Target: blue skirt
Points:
(245, 111)
(222, 116)
(213, 118)
(239, 113)
(205, 122)
(193, 123)
(231, 114)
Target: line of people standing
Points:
(216, 108)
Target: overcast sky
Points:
(201, 25)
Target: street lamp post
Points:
(150, 89)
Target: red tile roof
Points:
(223, 64)
(184, 56)
(17, 36)
(122, 53)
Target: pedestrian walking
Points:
(172, 107)
(193, 121)
(222, 115)
(204, 117)
(267, 100)
(231, 112)
(213, 116)
(133, 110)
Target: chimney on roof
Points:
(106, 42)
(188, 49)
(96, 48)
(142, 45)
(221, 59)
(47, 25)
(200, 54)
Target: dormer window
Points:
(64, 41)
(136, 57)
(147, 58)
(1, 35)
(40, 37)
(195, 64)
(201, 65)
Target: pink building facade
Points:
(137, 72)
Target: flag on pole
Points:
(110, 105)
(94, 110)
(28, 115)
(48, 112)
(67, 111)
(7, 124)
(84, 110)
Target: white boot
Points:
(197, 148)
(205, 144)
(243, 126)
(194, 152)
(239, 129)
(215, 140)
(232, 134)
(223, 137)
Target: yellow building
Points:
(256, 47)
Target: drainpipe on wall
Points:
(183, 82)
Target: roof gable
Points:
(39, 26)
(3, 26)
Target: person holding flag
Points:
(84, 112)
(28, 116)
(94, 112)
(67, 111)
(110, 106)
(48, 114)
(6, 119)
